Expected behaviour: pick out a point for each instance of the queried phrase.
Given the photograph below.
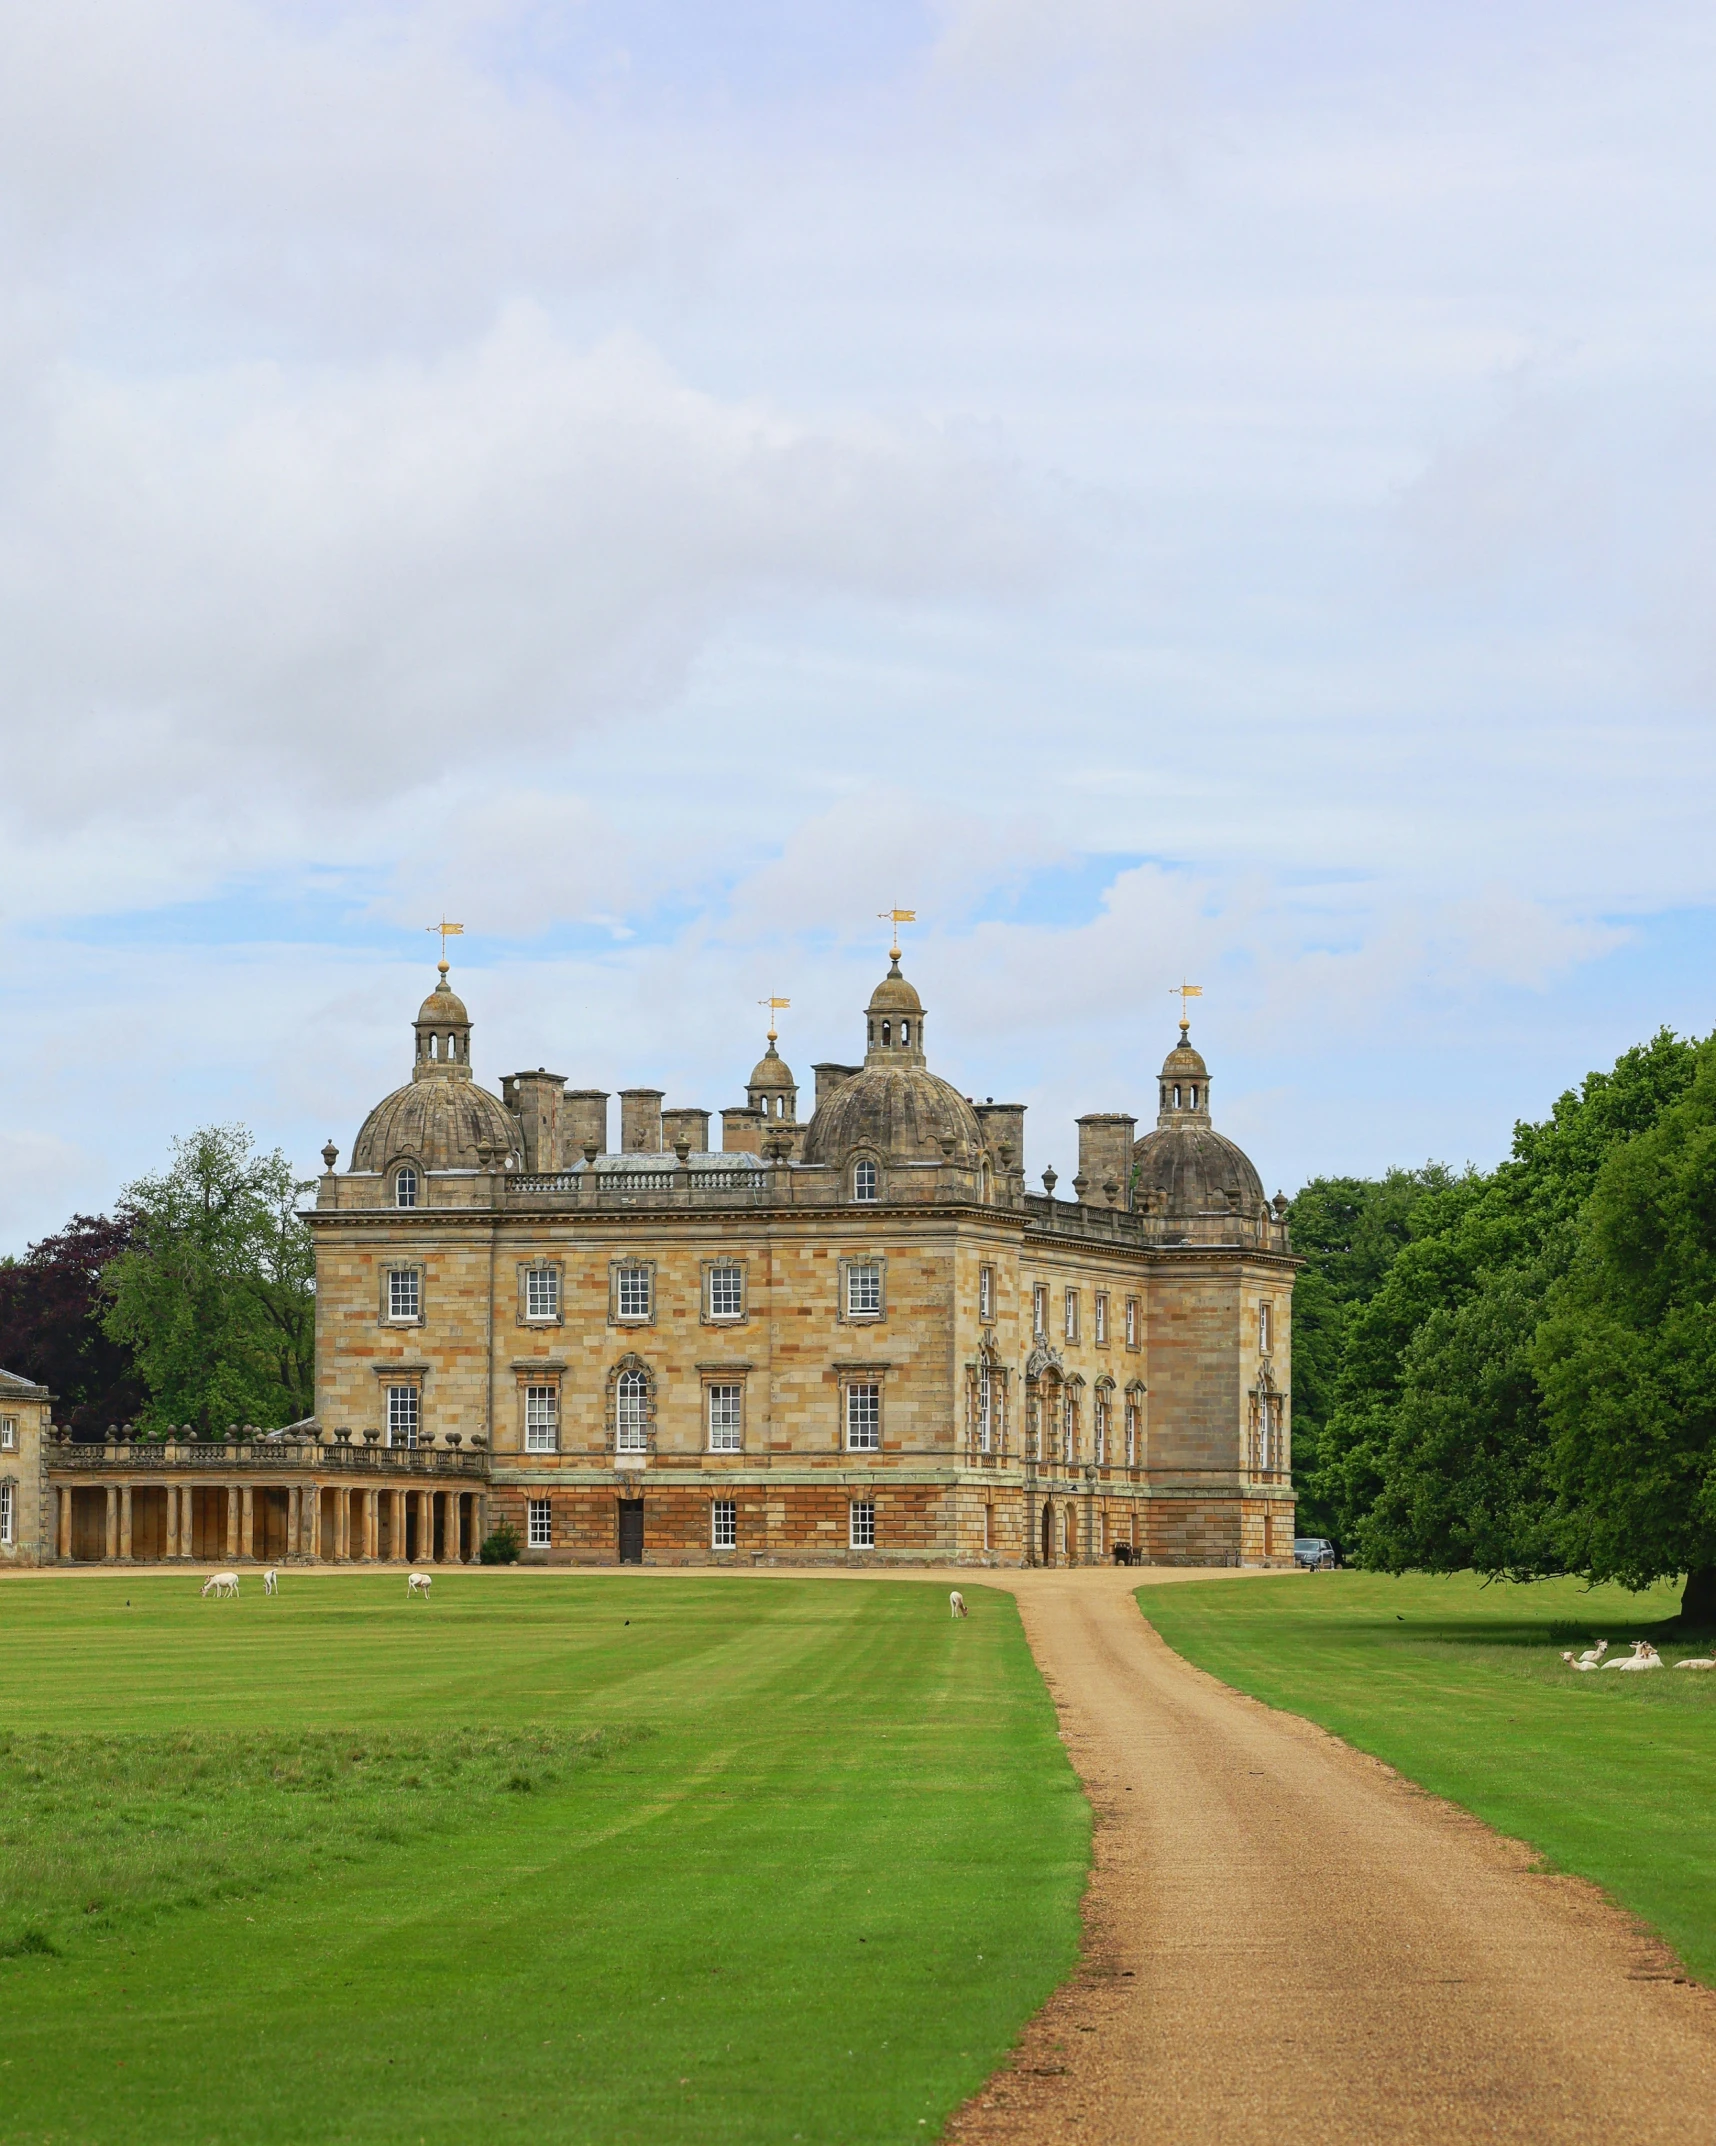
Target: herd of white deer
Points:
(417, 1584)
(1643, 1656)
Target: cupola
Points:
(443, 1035)
(1184, 1091)
(894, 1022)
(771, 1089)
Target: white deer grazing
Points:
(956, 1604)
(271, 1582)
(1695, 1661)
(221, 1583)
(1590, 1658)
(1643, 1656)
(418, 1585)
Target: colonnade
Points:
(332, 1523)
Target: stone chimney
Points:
(640, 1120)
(742, 1131)
(1105, 1156)
(583, 1123)
(691, 1126)
(537, 1101)
(830, 1077)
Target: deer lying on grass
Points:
(418, 1585)
(221, 1583)
(956, 1604)
(1695, 1661)
(271, 1582)
(1590, 1658)
(1643, 1656)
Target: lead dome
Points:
(1185, 1172)
(894, 1106)
(442, 1120)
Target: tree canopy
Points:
(1522, 1389)
(52, 1304)
(214, 1293)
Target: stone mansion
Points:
(849, 1337)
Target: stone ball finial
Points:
(1279, 1203)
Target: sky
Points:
(1168, 489)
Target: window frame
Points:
(533, 1392)
(1071, 1315)
(394, 1393)
(401, 1172)
(8, 1434)
(532, 1272)
(1265, 1325)
(724, 1510)
(861, 1524)
(403, 1270)
(850, 1390)
(625, 1268)
(539, 1512)
(624, 1401)
(735, 1387)
(866, 1181)
(1099, 1318)
(1040, 1301)
(985, 1408)
(1133, 1322)
(8, 1515)
(986, 1295)
(724, 1267)
(851, 1266)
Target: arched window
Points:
(864, 1179)
(1176, 1095)
(1194, 1095)
(887, 1032)
(1069, 1441)
(631, 1412)
(905, 1032)
(405, 1186)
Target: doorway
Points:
(631, 1531)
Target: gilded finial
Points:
(773, 1004)
(447, 931)
(897, 917)
(1183, 992)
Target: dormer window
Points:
(405, 1186)
(864, 1179)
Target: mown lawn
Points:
(557, 1857)
(1462, 1688)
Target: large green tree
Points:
(215, 1294)
(1626, 1359)
(1348, 1231)
(1437, 1453)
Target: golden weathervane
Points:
(447, 931)
(774, 1005)
(897, 917)
(1184, 993)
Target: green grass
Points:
(1462, 1688)
(772, 1860)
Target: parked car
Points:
(1315, 1552)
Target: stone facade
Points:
(856, 1338)
(853, 1339)
(25, 1413)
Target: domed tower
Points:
(1192, 1185)
(771, 1089)
(441, 1121)
(887, 1126)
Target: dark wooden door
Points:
(631, 1531)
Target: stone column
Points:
(172, 1549)
(125, 1520)
(343, 1522)
(449, 1528)
(247, 1522)
(479, 1519)
(229, 1491)
(371, 1525)
(294, 1519)
(65, 1497)
(398, 1544)
(112, 1523)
